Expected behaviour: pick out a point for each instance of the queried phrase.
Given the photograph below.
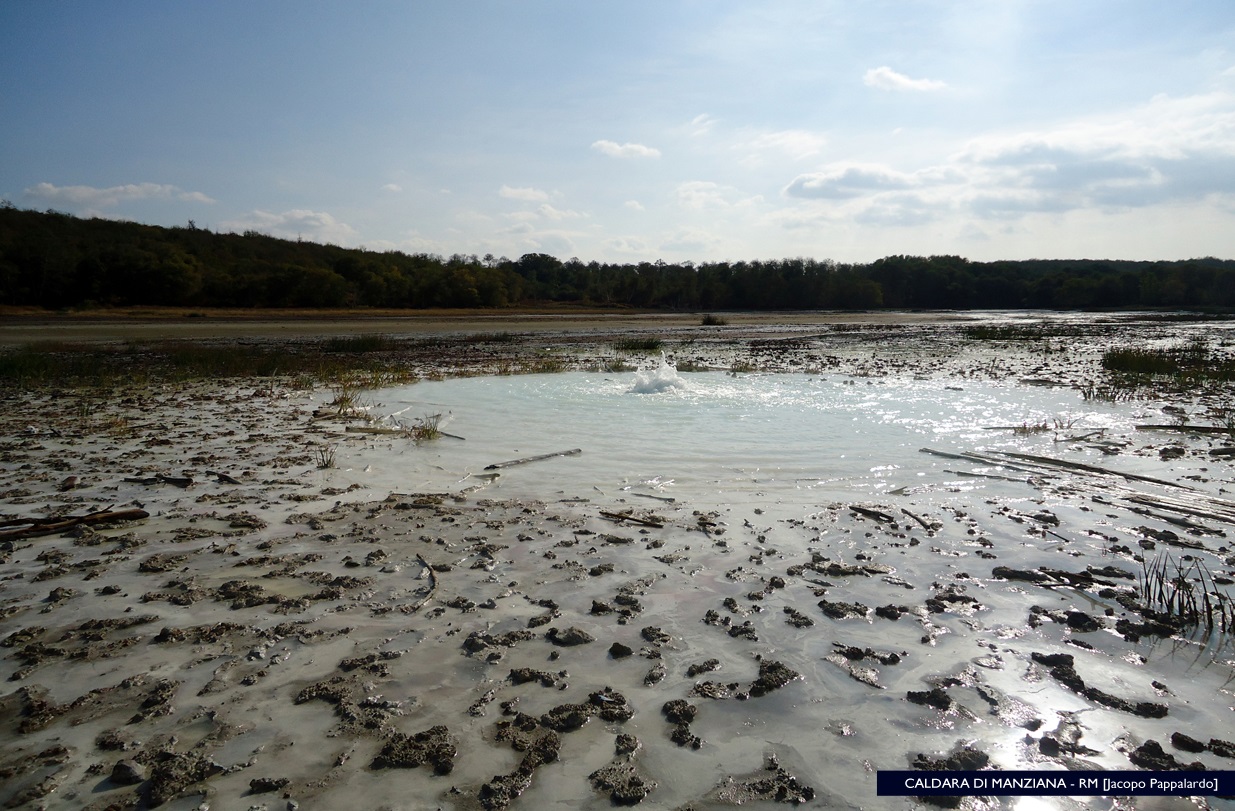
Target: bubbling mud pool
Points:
(719, 439)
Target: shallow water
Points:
(714, 438)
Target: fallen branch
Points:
(1187, 429)
(526, 459)
(178, 481)
(50, 526)
(1084, 468)
(925, 526)
(875, 514)
(432, 586)
(619, 517)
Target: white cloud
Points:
(626, 245)
(392, 187)
(527, 194)
(698, 194)
(550, 213)
(845, 180)
(616, 150)
(702, 124)
(884, 78)
(92, 197)
(794, 143)
(633, 205)
(1166, 152)
(690, 239)
(311, 226)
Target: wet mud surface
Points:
(275, 634)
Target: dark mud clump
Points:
(172, 773)
(841, 611)
(965, 759)
(772, 676)
(773, 784)
(621, 777)
(680, 713)
(1150, 755)
(503, 789)
(433, 746)
(1062, 670)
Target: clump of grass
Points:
(639, 345)
(325, 456)
(1190, 361)
(360, 344)
(491, 338)
(543, 366)
(1005, 332)
(1185, 596)
(1119, 391)
(741, 367)
(347, 397)
(614, 365)
(426, 428)
(710, 320)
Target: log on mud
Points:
(526, 459)
(50, 526)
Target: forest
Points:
(58, 261)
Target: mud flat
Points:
(283, 631)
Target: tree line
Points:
(57, 261)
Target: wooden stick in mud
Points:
(1187, 429)
(526, 459)
(1062, 463)
(432, 586)
(50, 526)
(925, 525)
(612, 516)
(875, 514)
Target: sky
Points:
(702, 130)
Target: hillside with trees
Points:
(57, 261)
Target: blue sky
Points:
(631, 131)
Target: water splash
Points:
(663, 378)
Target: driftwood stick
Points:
(432, 586)
(875, 514)
(50, 526)
(1187, 429)
(925, 526)
(619, 517)
(1084, 468)
(526, 459)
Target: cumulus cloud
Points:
(1167, 151)
(616, 150)
(845, 180)
(92, 197)
(527, 194)
(312, 226)
(884, 78)
(633, 205)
